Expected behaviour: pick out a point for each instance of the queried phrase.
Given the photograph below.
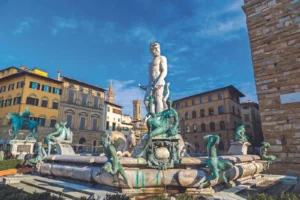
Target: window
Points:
(44, 103)
(186, 115)
(210, 98)
(32, 101)
(8, 102)
(211, 111)
(69, 121)
(195, 128)
(94, 124)
(220, 96)
(233, 110)
(90, 91)
(247, 117)
(56, 91)
(221, 109)
(52, 122)
(71, 96)
(55, 105)
(119, 120)
(201, 100)
(45, 88)
(222, 125)
(203, 127)
(2, 89)
(17, 100)
(114, 126)
(193, 102)
(84, 98)
(107, 125)
(188, 129)
(96, 99)
(202, 113)
(194, 114)
(177, 105)
(82, 123)
(34, 85)
(186, 104)
(1, 103)
(108, 109)
(212, 126)
(41, 121)
(20, 84)
(11, 86)
(245, 107)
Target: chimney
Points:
(58, 75)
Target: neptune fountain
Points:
(157, 164)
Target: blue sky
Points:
(206, 42)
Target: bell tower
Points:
(137, 110)
(110, 95)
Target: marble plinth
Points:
(238, 148)
(21, 146)
(64, 149)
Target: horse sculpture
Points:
(22, 122)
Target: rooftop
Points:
(230, 87)
(83, 83)
(113, 104)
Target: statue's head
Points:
(241, 128)
(56, 125)
(169, 103)
(8, 116)
(266, 144)
(155, 49)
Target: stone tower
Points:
(274, 34)
(110, 95)
(137, 110)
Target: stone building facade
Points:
(274, 34)
(216, 112)
(82, 107)
(251, 119)
(137, 110)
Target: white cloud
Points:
(61, 23)
(141, 33)
(193, 79)
(125, 93)
(23, 26)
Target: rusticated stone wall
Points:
(274, 34)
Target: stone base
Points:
(64, 149)
(238, 148)
(21, 146)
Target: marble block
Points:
(18, 146)
(238, 148)
(64, 149)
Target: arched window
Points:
(202, 113)
(196, 145)
(194, 127)
(188, 129)
(221, 109)
(177, 105)
(186, 115)
(194, 114)
(82, 144)
(221, 146)
(203, 127)
(212, 126)
(211, 111)
(222, 125)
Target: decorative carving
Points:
(113, 164)
(22, 121)
(263, 154)
(40, 156)
(213, 163)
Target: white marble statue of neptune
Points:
(157, 72)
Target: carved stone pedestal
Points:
(238, 148)
(22, 146)
(64, 148)
(163, 153)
